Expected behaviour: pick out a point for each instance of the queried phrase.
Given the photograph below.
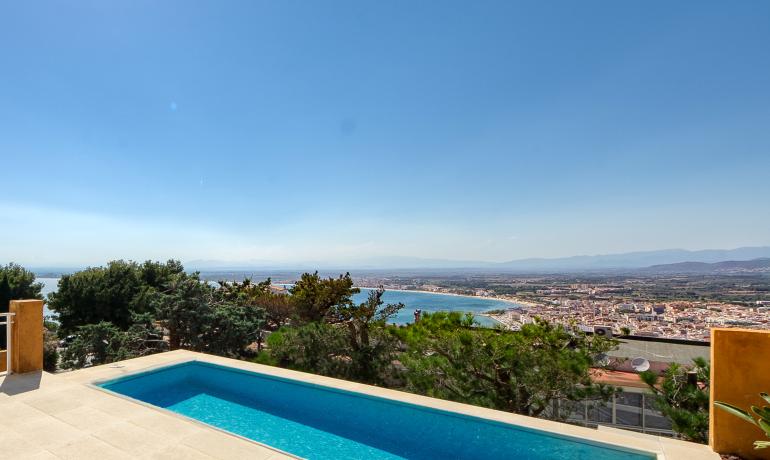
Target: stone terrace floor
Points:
(47, 416)
(55, 416)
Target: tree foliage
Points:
(50, 346)
(231, 327)
(126, 308)
(103, 343)
(95, 344)
(110, 294)
(682, 395)
(353, 343)
(244, 292)
(279, 309)
(314, 296)
(371, 348)
(199, 317)
(181, 307)
(523, 372)
(16, 283)
(313, 347)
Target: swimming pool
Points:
(319, 422)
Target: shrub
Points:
(763, 420)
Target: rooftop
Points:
(66, 416)
(662, 351)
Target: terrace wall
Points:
(27, 336)
(739, 372)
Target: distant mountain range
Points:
(665, 261)
(729, 266)
(640, 259)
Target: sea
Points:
(432, 302)
(412, 300)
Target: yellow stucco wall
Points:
(739, 372)
(27, 349)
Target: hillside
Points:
(731, 266)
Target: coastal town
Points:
(610, 305)
(674, 320)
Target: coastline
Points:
(501, 299)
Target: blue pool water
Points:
(317, 422)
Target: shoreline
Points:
(500, 299)
(484, 314)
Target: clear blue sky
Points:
(342, 130)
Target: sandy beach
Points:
(501, 299)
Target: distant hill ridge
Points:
(754, 265)
(602, 262)
(641, 259)
(664, 261)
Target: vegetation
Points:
(127, 309)
(763, 420)
(682, 395)
(372, 350)
(313, 296)
(95, 344)
(199, 317)
(16, 282)
(352, 342)
(279, 309)
(110, 294)
(316, 347)
(50, 346)
(523, 372)
(103, 343)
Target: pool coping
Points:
(661, 448)
(96, 385)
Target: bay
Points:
(433, 302)
(412, 300)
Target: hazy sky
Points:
(336, 130)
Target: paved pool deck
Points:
(64, 416)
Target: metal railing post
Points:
(9, 346)
(8, 337)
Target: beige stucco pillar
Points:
(738, 374)
(27, 339)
